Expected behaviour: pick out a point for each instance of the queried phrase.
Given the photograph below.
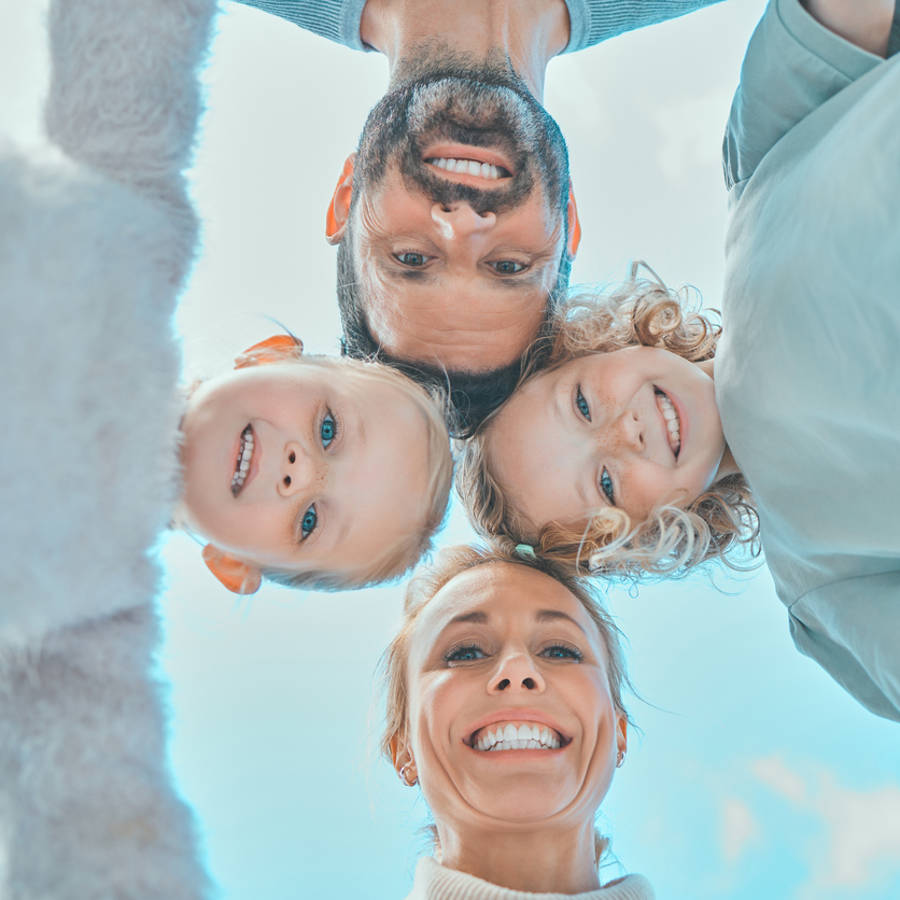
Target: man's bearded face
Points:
(458, 219)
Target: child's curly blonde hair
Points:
(672, 540)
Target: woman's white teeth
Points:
(526, 736)
(673, 424)
(243, 461)
(468, 167)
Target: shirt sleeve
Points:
(593, 21)
(335, 20)
(793, 65)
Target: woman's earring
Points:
(620, 758)
(408, 775)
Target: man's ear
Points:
(339, 208)
(574, 224)
(278, 348)
(239, 577)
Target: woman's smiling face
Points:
(510, 712)
(634, 429)
(303, 466)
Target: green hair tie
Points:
(526, 550)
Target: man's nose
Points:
(516, 674)
(459, 220)
(299, 470)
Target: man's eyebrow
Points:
(551, 615)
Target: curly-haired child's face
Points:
(301, 466)
(634, 429)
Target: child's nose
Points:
(299, 470)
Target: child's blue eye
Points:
(582, 404)
(308, 522)
(606, 485)
(562, 651)
(464, 654)
(328, 430)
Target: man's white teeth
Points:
(243, 461)
(468, 167)
(673, 424)
(526, 736)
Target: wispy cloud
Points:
(861, 846)
(739, 829)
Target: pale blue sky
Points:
(756, 776)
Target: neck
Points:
(528, 33)
(727, 465)
(559, 861)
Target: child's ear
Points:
(278, 348)
(338, 211)
(239, 577)
(574, 224)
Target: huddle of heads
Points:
(587, 425)
(586, 429)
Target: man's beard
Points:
(481, 106)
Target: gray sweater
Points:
(591, 21)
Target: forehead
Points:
(509, 595)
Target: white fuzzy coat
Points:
(96, 238)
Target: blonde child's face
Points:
(303, 466)
(633, 429)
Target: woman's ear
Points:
(574, 224)
(622, 733)
(402, 758)
(239, 577)
(338, 211)
(278, 348)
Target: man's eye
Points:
(562, 651)
(508, 266)
(308, 522)
(328, 430)
(464, 654)
(606, 485)
(582, 404)
(411, 259)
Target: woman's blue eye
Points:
(411, 259)
(328, 430)
(606, 485)
(582, 404)
(508, 266)
(308, 522)
(561, 651)
(464, 654)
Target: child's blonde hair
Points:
(421, 590)
(404, 554)
(641, 311)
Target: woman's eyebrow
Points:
(551, 615)
(476, 616)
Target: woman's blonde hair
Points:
(642, 311)
(403, 554)
(421, 590)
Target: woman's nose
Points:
(298, 471)
(516, 673)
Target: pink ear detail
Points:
(237, 576)
(278, 348)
